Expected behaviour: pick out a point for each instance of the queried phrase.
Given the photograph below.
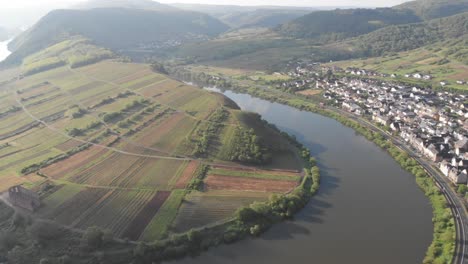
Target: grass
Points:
(164, 218)
(62, 195)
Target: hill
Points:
(269, 18)
(129, 150)
(249, 16)
(133, 4)
(430, 9)
(339, 24)
(116, 28)
(445, 61)
(411, 36)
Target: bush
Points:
(93, 237)
(8, 240)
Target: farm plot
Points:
(73, 208)
(76, 163)
(143, 82)
(158, 89)
(200, 209)
(133, 76)
(60, 196)
(111, 70)
(167, 134)
(160, 173)
(234, 183)
(164, 218)
(108, 171)
(116, 211)
(256, 173)
(187, 175)
(137, 226)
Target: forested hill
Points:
(430, 9)
(340, 24)
(116, 28)
(412, 36)
(138, 4)
(269, 18)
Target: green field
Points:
(104, 137)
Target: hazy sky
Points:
(64, 3)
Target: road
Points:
(455, 202)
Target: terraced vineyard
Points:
(112, 145)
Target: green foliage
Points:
(339, 24)
(104, 27)
(208, 132)
(245, 147)
(430, 9)
(42, 65)
(462, 189)
(412, 36)
(197, 181)
(8, 240)
(44, 231)
(93, 237)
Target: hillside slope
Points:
(340, 24)
(134, 4)
(261, 18)
(412, 36)
(430, 9)
(116, 28)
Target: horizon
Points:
(54, 4)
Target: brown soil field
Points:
(186, 175)
(218, 182)
(139, 223)
(259, 171)
(62, 168)
(152, 135)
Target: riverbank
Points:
(249, 221)
(442, 247)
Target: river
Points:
(4, 52)
(368, 209)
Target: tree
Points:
(43, 231)
(8, 240)
(93, 237)
(462, 189)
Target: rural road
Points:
(456, 204)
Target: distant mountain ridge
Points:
(135, 4)
(115, 28)
(412, 36)
(339, 24)
(249, 16)
(430, 9)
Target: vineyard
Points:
(120, 147)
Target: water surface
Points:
(4, 52)
(368, 209)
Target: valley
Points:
(133, 131)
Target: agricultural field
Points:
(442, 61)
(118, 146)
(202, 208)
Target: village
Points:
(434, 123)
